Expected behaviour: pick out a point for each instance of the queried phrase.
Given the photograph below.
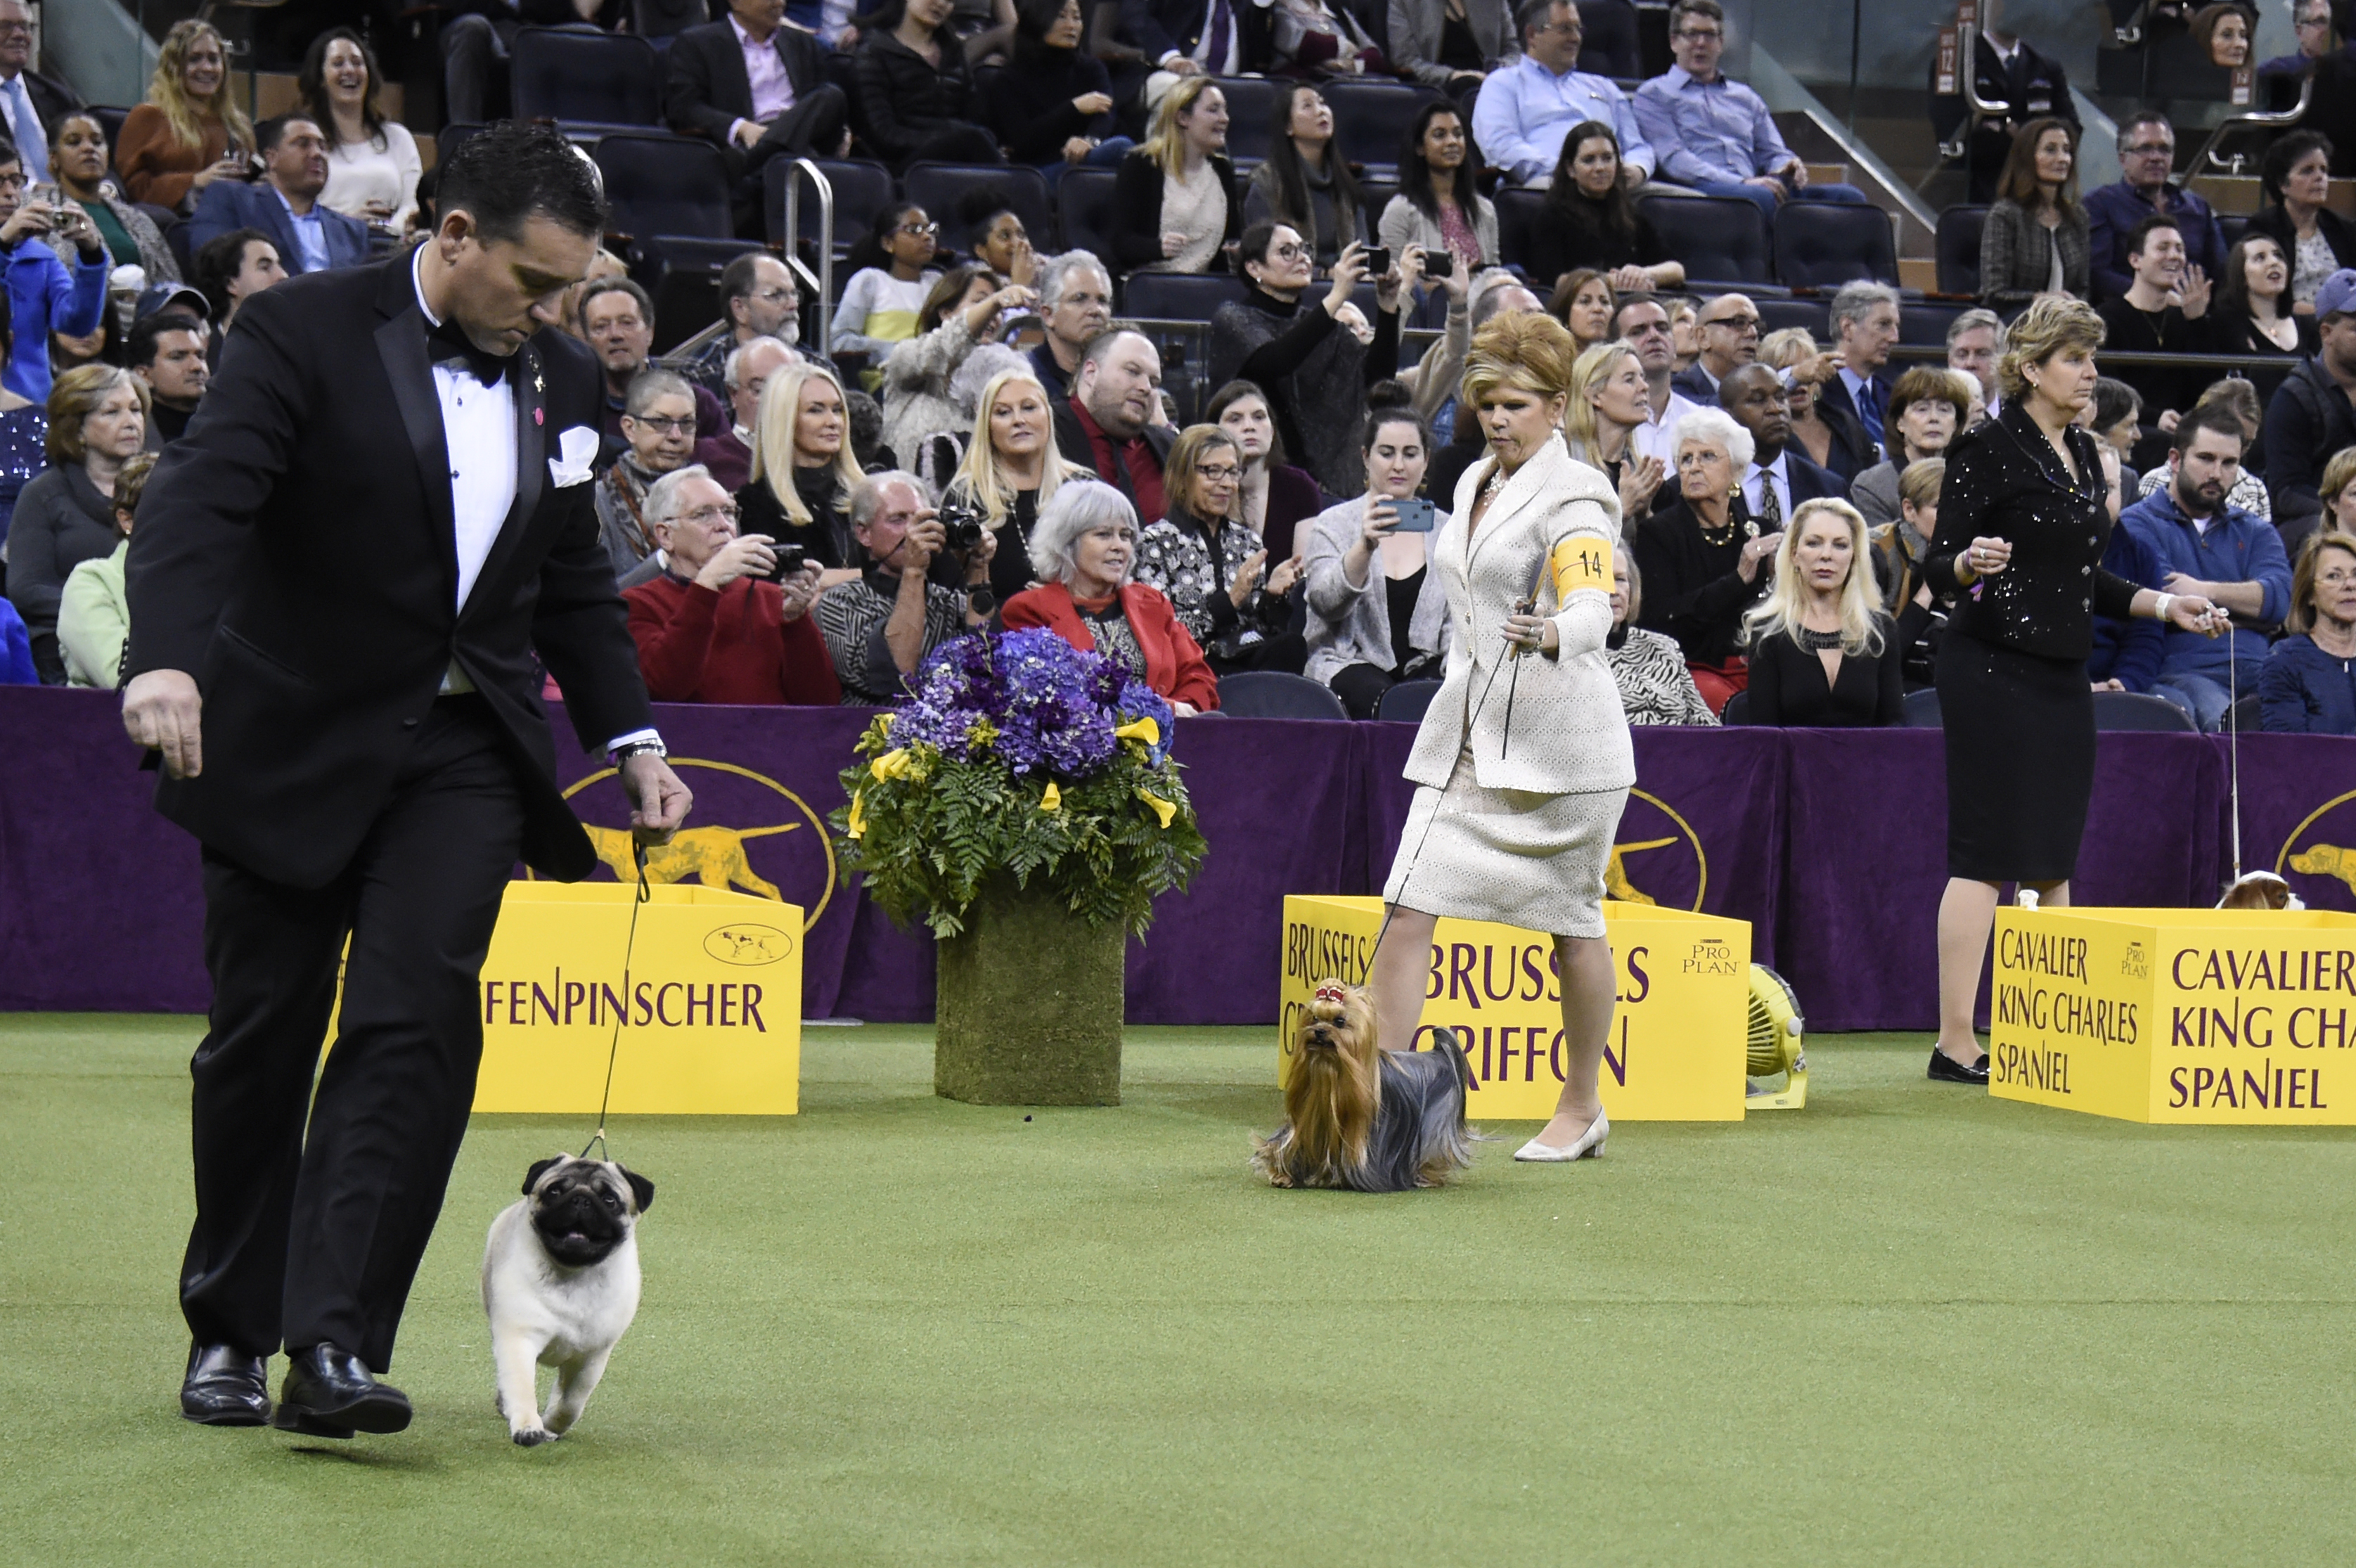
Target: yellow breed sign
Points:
(710, 1006)
(2245, 1016)
(1676, 1048)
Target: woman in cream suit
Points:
(1524, 756)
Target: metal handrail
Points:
(2256, 120)
(1967, 75)
(824, 281)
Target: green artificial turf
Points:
(1908, 1324)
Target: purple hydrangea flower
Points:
(1027, 699)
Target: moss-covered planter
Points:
(1029, 1010)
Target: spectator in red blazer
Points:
(1083, 550)
(713, 628)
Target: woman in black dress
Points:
(2021, 530)
(1822, 654)
(1703, 566)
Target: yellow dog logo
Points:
(713, 857)
(2328, 860)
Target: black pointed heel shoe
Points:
(1946, 1069)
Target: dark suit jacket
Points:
(232, 204)
(1695, 383)
(1809, 481)
(2032, 86)
(299, 558)
(53, 99)
(1853, 451)
(1834, 395)
(705, 90)
(1157, 27)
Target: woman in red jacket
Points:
(1083, 549)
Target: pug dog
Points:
(561, 1284)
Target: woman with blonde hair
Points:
(958, 325)
(190, 131)
(2023, 519)
(1174, 201)
(1608, 399)
(798, 490)
(1822, 654)
(1012, 470)
(1523, 760)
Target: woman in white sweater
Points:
(923, 416)
(372, 161)
(1523, 757)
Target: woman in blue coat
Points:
(2309, 683)
(43, 295)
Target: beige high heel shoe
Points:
(1587, 1146)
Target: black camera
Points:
(964, 533)
(1439, 264)
(1378, 260)
(790, 561)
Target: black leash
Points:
(614, 1048)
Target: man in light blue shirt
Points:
(1527, 108)
(1717, 135)
(284, 202)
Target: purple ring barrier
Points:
(1830, 843)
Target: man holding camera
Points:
(728, 620)
(880, 628)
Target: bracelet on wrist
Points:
(2159, 607)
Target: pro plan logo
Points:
(2319, 859)
(2137, 965)
(749, 945)
(1657, 859)
(1711, 955)
(751, 834)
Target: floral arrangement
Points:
(1020, 754)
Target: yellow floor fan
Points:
(1774, 1044)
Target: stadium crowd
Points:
(804, 498)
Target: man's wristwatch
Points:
(981, 599)
(628, 749)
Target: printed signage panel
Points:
(1677, 1051)
(710, 1006)
(2224, 1016)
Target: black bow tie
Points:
(449, 345)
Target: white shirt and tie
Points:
(1219, 49)
(1657, 438)
(478, 432)
(1755, 483)
(26, 130)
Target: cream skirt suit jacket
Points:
(1516, 818)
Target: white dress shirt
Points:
(1776, 473)
(1657, 438)
(478, 431)
(772, 89)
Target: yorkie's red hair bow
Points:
(1329, 993)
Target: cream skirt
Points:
(1512, 856)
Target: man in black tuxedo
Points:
(756, 87)
(2006, 70)
(345, 568)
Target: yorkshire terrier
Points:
(2260, 890)
(1360, 1117)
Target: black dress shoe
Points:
(330, 1392)
(225, 1387)
(1946, 1069)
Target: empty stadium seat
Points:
(1957, 246)
(1808, 314)
(2232, 225)
(2138, 710)
(861, 188)
(586, 82)
(1925, 322)
(665, 184)
(1249, 98)
(1272, 695)
(1406, 703)
(1178, 296)
(657, 20)
(1721, 240)
(1085, 200)
(453, 137)
(1738, 707)
(1371, 119)
(942, 188)
(109, 125)
(1824, 244)
(682, 274)
(1377, 190)
(1922, 709)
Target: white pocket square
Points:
(576, 450)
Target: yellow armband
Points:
(1580, 563)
